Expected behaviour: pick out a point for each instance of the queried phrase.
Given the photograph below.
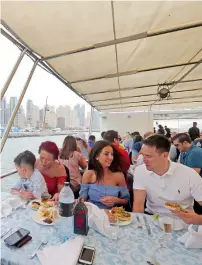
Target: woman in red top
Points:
(55, 174)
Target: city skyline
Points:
(42, 84)
(32, 116)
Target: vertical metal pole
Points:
(4, 89)
(5, 136)
(91, 120)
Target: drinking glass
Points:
(114, 234)
(166, 223)
(6, 209)
(15, 201)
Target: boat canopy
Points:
(116, 55)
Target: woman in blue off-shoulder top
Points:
(103, 184)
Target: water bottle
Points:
(66, 201)
(66, 206)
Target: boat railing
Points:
(8, 174)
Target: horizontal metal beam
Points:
(168, 103)
(164, 101)
(138, 36)
(132, 72)
(8, 174)
(137, 87)
(143, 95)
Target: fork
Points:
(44, 242)
(138, 220)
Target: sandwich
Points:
(174, 206)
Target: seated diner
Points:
(103, 184)
(73, 160)
(54, 173)
(160, 180)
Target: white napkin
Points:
(66, 253)
(192, 239)
(98, 220)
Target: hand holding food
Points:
(189, 216)
(173, 206)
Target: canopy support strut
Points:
(5, 136)
(91, 120)
(10, 77)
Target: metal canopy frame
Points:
(34, 56)
(6, 133)
(145, 95)
(142, 105)
(43, 61)
(137, 87)
(116, 41)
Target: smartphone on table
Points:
(16, 237)
(87, 255)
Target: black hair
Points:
(161, 143)
(91, 138)
(182, 137)
(135, 133)
(26, 157)
(110, 135)
(138, 138)
(102, 135)
(95, 165)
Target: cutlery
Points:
(138, 220)
(147, 225)
(44, 242)
(6, 232)
(150, 263)
(155, 261)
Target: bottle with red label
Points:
(81, 219)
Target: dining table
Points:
(134, 246)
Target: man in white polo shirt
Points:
(159, 180)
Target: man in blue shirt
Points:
(191, 155)
(91, 140)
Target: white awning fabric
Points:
(116, 54)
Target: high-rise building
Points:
(20, 118)
(29, 112)
(4, 113)
(65, 112)
(33, 117)
(87, 120)
(96, 121)
(80, 112)
(51, 120)
(61, 123)
(12, 103)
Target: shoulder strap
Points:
(68, 175)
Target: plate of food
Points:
(124, 218)
(173, 206)
(45, 216)
(36, 204)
